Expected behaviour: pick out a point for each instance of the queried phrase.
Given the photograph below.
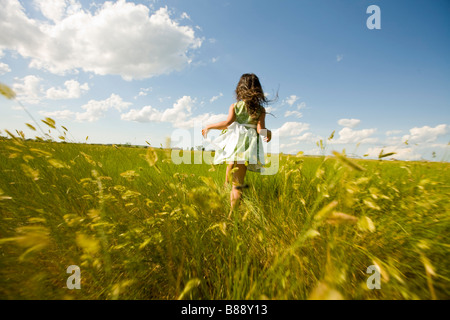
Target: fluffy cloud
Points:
(59, 114)
(204, 119)
(53, 10)
(4, 68)
(120, 38)
(180, 111)
(393, 132)
(348, 135)
(403, 153)
(28, 89)
(285, 146)
(293, 113)
(425, 134)
(94, 110)
(291, 99)
(146, 114)
(294, 143)
(301, 105)
(180, 115)
(292, 129)
(143, 92)
(413, 146)
(350, 123)
(216, 97)
(270, 109)
(307, 137)
(73, 90)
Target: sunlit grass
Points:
(140, 227)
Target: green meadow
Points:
(140, 227)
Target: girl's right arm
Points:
(262, 125)
(223, 124)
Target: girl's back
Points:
(242, 116)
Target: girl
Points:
(240, 144)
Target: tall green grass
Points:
(140, 227)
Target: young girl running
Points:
(240, 145)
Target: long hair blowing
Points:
(250, 91)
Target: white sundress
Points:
(240, 142)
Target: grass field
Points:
(140, 227)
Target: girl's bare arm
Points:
(223, 124)
(262, 125)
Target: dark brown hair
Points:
(250, 91)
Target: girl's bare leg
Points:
(227, 176)
(238, 180)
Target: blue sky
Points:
(135, 71)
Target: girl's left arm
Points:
(262, 126)
(223, 124)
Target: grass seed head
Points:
(7, 92)
(347, 162)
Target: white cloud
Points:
(402, 153)
(180, 115)
(28, 89)
(270, 109)
(180, 111)
(18, 31)
(216, 97)
(419, 142)
(291, 99)
(52, 9)
(393, 132)
(350, 123)
(425, 134)
(292, 129)
(59, 114)
(184, 15)
(143, 92)
(293, 113)
(288, 145)
(120, 38)
(314, 151)
(4, 68)
(97, 109)
(393, 140)
(294, 144)
(440, 145)
(339, 57)
(307, 137)
(348, 135)
(301, 105)
(94, 110)
(205, 119)
(73, 90)
(146, 114)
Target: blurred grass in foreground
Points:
(140, 227)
